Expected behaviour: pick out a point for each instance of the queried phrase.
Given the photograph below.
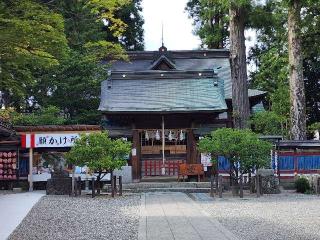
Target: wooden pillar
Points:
(191, 148)
(135, 156)
(30, 169)
(295, 162)
(163, 169)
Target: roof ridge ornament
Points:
(162, 44)
(162, 48)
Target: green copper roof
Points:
(134, 87)
(162, 94)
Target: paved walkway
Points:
(13, 208)
(170, 216)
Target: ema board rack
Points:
(8, 165)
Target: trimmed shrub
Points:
(302, 185)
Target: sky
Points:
(177, 27)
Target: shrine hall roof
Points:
(197, 80)
(216, 60)
(162, 91)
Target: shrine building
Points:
(164, 101)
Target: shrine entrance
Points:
(162, 150)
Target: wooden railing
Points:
(153, 167)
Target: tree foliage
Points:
(45, 116)
(211, 21)
(271, 56)
(74, 88)
(52, 52)
(99, 153)
(270, 123)
(244, 150)
(32, 40)
(132, 37)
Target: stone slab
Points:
(13, 208)
(176, 216)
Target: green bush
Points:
(302, 185)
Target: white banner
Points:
(55, 140)
(206, 159)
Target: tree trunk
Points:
(297, 92)
(240, 100)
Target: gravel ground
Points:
(63, 217)
(283, 216)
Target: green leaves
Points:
(211, 21)
(31, 39)
(270, 123)
(45, 116)
(99, 152)
(241, 147)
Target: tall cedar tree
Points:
(210, 20)
(296, 80)
(240, 99)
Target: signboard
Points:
(206, 159)
(49, 140)
(55, 140)
(134, 152)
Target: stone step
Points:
(200, 197)
(167, 187)
(181, 189)
(159, 179)
(145, 185)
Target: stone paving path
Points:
(13, 208)
(170, 216)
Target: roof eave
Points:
(148, 111)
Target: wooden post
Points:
(79, 186)
(211, 186)
(75, 190)
(72, 181)
(112, 186)
(220, 186)
(120, 185)
(163, 170)
(250, 183)
(258, 185)
(217, 183)
(30, 169)
(191, 148)
(135, 158)
(115, 184)
(93, 188)
(87, 184)
(241, 186)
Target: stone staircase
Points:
(186, 187)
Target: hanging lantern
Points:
(170, 136)
(157, 135)
(181, 135)
(146, 136)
